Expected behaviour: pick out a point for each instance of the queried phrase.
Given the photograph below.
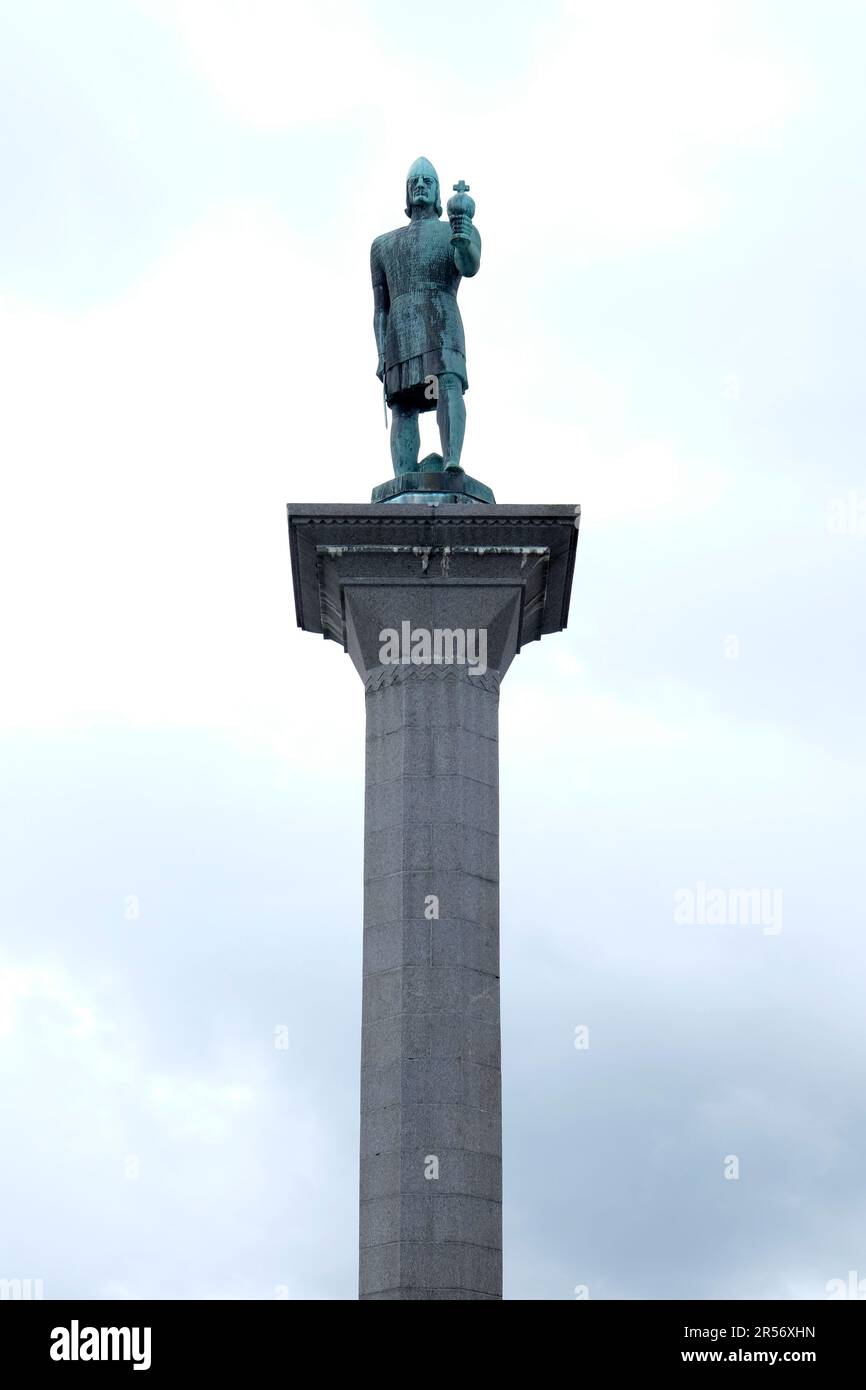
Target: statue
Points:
(416, 273)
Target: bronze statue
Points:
(416, 273)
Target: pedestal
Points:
(432, 604)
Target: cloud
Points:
(173, 1158)
(276, 65)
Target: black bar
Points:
(221, 1339)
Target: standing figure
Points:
(416, 273)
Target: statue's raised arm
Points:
(464, 236)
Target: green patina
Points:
(416, 272)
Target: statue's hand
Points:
(380, 370)
(461, 227)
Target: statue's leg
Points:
(451, 419)
(405, 438)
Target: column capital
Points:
(359, 570)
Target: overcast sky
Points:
(668, 328)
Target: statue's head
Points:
(422, 187)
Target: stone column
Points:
(431, 1142)
(431, 1130)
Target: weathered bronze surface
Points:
(416, 272)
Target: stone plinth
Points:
(431, 485)
(431, 1142)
